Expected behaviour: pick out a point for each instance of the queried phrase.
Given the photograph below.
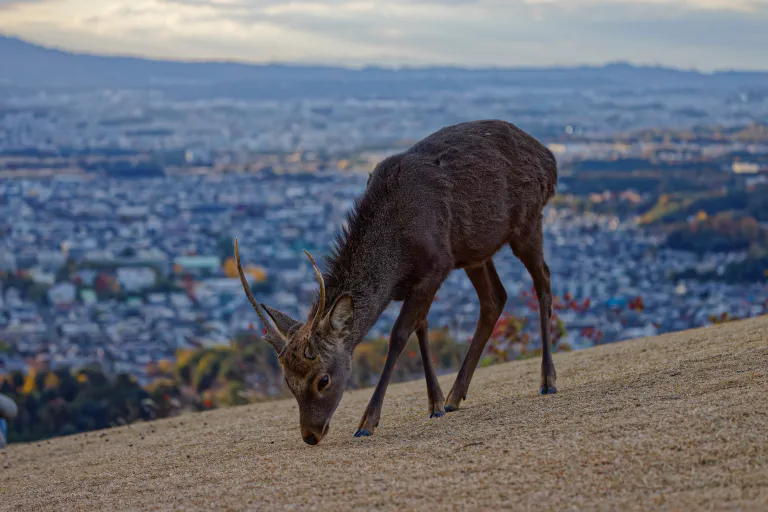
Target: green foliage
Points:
(28, 288)
(751, 270)
(667, 208)
(163, 285)
(369, 357)
(725, 221)
(721, 233)
(233, 393)
(38, 293)
(56, 403)
(675, 208)
(757, 204)
(224, 247)
(66, 271)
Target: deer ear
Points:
(284, 323)
(340, 316)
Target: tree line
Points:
(57, 402)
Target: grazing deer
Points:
(451, 201)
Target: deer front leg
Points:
(414, 309)
(434, 393)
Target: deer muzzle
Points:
(313, 436)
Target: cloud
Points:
(688, 33)
(4, 4)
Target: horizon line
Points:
(368, 66)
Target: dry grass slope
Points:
(676, 422)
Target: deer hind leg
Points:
(434, 393)
(493, 298)
(413, 311)
(533, 259)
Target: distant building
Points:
(754, 181)
(745, 168)
(134, 279)
(88, 297)
(63, 294)
(7, 261)
(197, 264)
(132, 212)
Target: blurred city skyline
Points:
(700, 34)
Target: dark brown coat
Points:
(451, 201)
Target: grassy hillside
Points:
(674, 422)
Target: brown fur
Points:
(451, 201)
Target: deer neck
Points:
(365, 263)
(371, 282)
(370, 297)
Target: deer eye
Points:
(323, 382)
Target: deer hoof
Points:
(361, 432)
(437, 414)
(451, 408)
(551, 390)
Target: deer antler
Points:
(273, 335)
(321, 303)
(309, 351)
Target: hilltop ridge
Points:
(672, 422)
(29, 64)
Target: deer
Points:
(451, 201)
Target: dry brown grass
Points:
(677, 422)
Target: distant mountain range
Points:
(29, 65)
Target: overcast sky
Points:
(703, 34)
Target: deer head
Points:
(316, 356)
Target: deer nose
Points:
(313, 438)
